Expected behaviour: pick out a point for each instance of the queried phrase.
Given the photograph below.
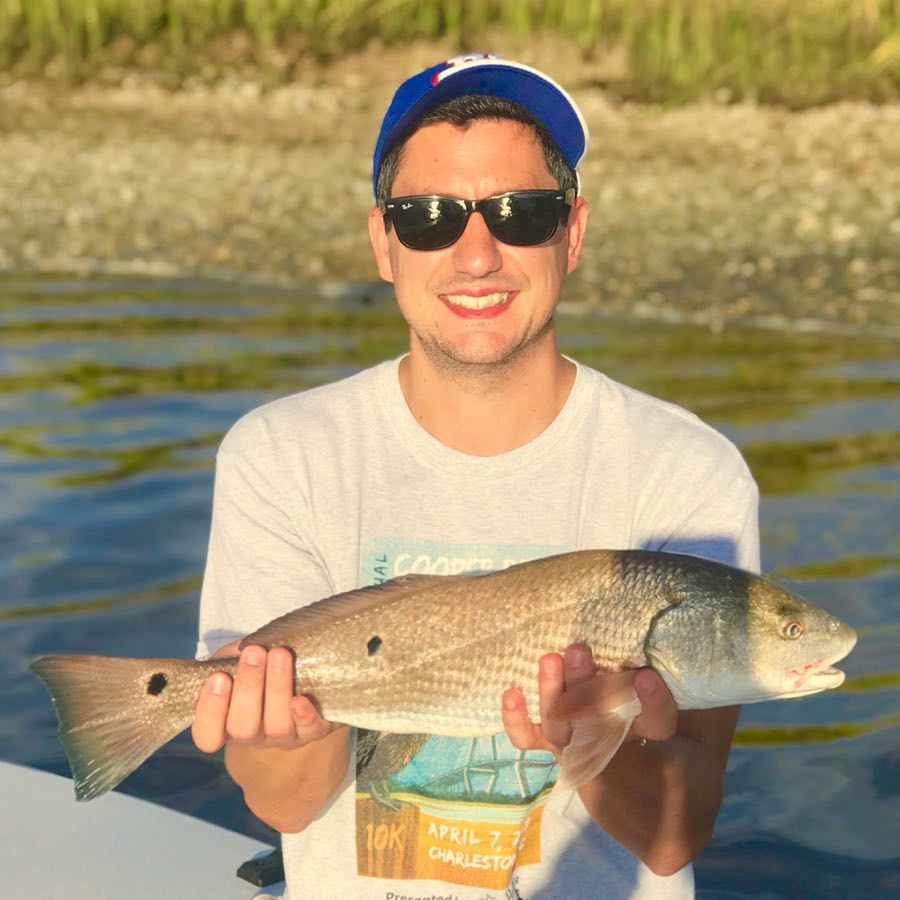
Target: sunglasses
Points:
(520, 218)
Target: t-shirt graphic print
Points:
(460, 810)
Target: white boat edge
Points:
(114, 846)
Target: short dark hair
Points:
(461, 111)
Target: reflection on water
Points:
(115, 392)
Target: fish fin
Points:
(115, 712)
(284, 630)
(602, 709)
(596, 737)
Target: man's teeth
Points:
(470, 302)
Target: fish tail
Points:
(115, 712)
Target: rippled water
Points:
(115, 392)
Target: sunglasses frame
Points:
(567, 197)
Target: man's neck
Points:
(486, 410)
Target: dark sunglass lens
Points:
(524, 219)
(428, 223)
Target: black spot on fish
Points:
(373, 645)
(157, 683)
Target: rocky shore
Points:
(710, 211)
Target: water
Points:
(115, 392)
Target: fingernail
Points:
(578, 657)
(253, 657)
(550, 666)
(219, 685)
(509, 702)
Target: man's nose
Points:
(477, 252)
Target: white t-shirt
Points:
(339, 487)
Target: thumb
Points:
(308, 723)
(659, 715)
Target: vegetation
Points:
(810, 734)
(793, 466)
(160, 593)
(794, 51)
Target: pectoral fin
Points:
(602, 710)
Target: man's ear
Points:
(575, 229)
(380, 245)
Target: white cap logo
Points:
(463, 61)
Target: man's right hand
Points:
(258, 707)
(286, 758)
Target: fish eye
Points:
(792, 629)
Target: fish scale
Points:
(433, 655)
(597, 601)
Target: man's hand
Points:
(557, 674)
(659, 801)
(258, 707)
(287, 759)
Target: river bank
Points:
(710, 210)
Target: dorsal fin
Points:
(284, 630)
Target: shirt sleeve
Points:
(722, 525)
(702, 501)
(261, 561)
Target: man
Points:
(481, 447)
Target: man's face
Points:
(478, 301)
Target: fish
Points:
(432, 655)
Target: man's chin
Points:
(471, 358)
(476, 351)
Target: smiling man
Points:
(480, 310)
(480, 447)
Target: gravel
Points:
(709, 211)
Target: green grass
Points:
(159, 593)
(794, 466)
(792, 51)
(757, 735)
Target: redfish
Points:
(432, 655)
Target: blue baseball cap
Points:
(482, 73)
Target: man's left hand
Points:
(560, 673)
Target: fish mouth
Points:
(815, 676)
(824, 678)
(821, 675)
